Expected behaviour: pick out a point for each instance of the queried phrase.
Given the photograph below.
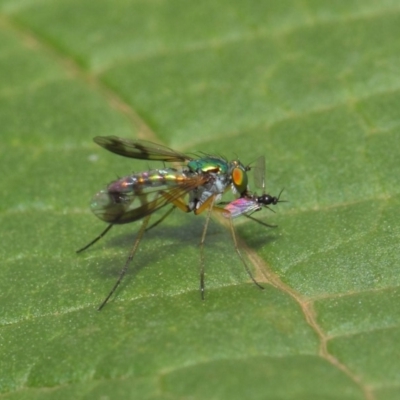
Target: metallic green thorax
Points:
(209, 164)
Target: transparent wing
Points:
(240, 206)
(140, 149)
(259, 173)
(122, 208)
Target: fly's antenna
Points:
(278, 199)
(250, 165)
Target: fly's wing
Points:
(259, 173)
(140, 149)
(240, 206)
(122, 208)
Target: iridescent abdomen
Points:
(134, 191)
(144, 182)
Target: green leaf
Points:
(312, 86)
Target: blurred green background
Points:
(314, 87)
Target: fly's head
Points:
(238, 173)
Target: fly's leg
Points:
(207, 204)
(177, 203)
(96, 239)
(128, 260)
(235, 243)
(161, 219)
(260, 222)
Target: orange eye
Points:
(239, 179)
(237, 176)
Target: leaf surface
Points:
(312, 86)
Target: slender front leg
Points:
(95, 239)
(235, 243)
(128, 260)
(161, 219)
(210, 204)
